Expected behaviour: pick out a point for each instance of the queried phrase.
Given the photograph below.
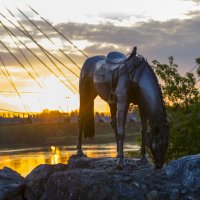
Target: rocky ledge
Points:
(90, 178)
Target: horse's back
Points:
(98, 72)
(89, 65)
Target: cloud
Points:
(196, 1)
(155, 39)
(194, 13)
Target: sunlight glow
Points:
(57, 43)
(82, 44)
(54, 97)
(128, 14)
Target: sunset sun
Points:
(54, 96)
(49, 46)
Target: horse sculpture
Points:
(121, 80)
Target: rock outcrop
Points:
(99, 178)
(11, 185)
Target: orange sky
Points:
(95, 29)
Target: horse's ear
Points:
(134, 51)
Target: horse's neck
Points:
(159, 114)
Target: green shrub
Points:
(183, 108)
(184, 131)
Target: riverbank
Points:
(55, 143)
(45, 135)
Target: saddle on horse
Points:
(105, 71)
(106, 67)
(115, 57)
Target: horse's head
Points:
(157, 141)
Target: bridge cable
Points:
(13, 85)
(25, 32)
(58, 31)
(34, 24)
(51, 60)
(42, 84)
(21, 64)
(47, 53)
(36, 57)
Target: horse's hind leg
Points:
(79, 152)
(113, 111)
(143, 132)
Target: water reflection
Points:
(24, 160)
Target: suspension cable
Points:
(58, 31)
(37, 57)
(13, 85)
(42, 48)
(25, 57)
(20, 63)
(34, 24)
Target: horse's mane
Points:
(137, 61)
(160, 90)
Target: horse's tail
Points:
(86, 112)
(87, 95)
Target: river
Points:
(25, 160)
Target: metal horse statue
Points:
(121, 80)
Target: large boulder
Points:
(90, 178)
(184, 175)
(12, 185)
(99, 178)
(96, 179)
(37, 179)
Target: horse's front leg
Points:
(113, 111)
(122, 108)
(143, 132)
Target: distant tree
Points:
(183, 108)
(46, 113)
(177, 90)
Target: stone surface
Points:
(88, 178)
(99, 178)
(36, 180)
(185, 173)
(11, 184)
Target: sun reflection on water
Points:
(25, 161)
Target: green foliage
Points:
(184, 131)
(183, 108)
(177, 90)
